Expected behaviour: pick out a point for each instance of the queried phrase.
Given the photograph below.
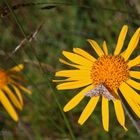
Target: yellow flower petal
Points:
(76, 99)
(135, 74)
(132, 44)
(133, 84)
(84, 54)
(18, 93)
(73, 85)
(77, 59)
(105, 113)
(64, 80)
(17, 68)
(7, 105)
(123, 53)
(73, 79)
(12, 97)
(125, 90)
(72, 65)
(96, 47)
(21, 87)
(73, 73)
(24, 89)
(121, 40)
(132, 93)
(88, 109)
(134, 62)
(105, 48)
(119, 113)
(17, 76)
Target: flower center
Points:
(3, 79)
(110, 70)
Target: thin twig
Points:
(44, 65)
(23, 32)
(30, 38)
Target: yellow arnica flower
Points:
(10, 90)
(103, 77)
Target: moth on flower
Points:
(100, 90)
(103, 77)
(10, 90)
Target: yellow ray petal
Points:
(105, 48)
(18, 93)
(24, 89)
(76, 99)
(74, 78)
(134, 62)
(72, 65)
(123, 53)
(65, 80)
(21, 87)
(12, 97)
(132, 44)
(133, 84)
(17, 76)
(119, 113)
(88, 109)
(73, 85)
(105, 113)
(17, 68)
(84, 54)
(7, 105)
(96, 47)
(73, 73)
(125, 90)
(121, 40)
(77, 59)
(135, 74)
(131, 92)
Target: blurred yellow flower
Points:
(10, 86)
(104, 77)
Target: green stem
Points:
(61, 110)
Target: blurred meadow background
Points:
(51, 27)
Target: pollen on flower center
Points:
(3, 78)
(110, 70)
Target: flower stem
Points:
(61, 110)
